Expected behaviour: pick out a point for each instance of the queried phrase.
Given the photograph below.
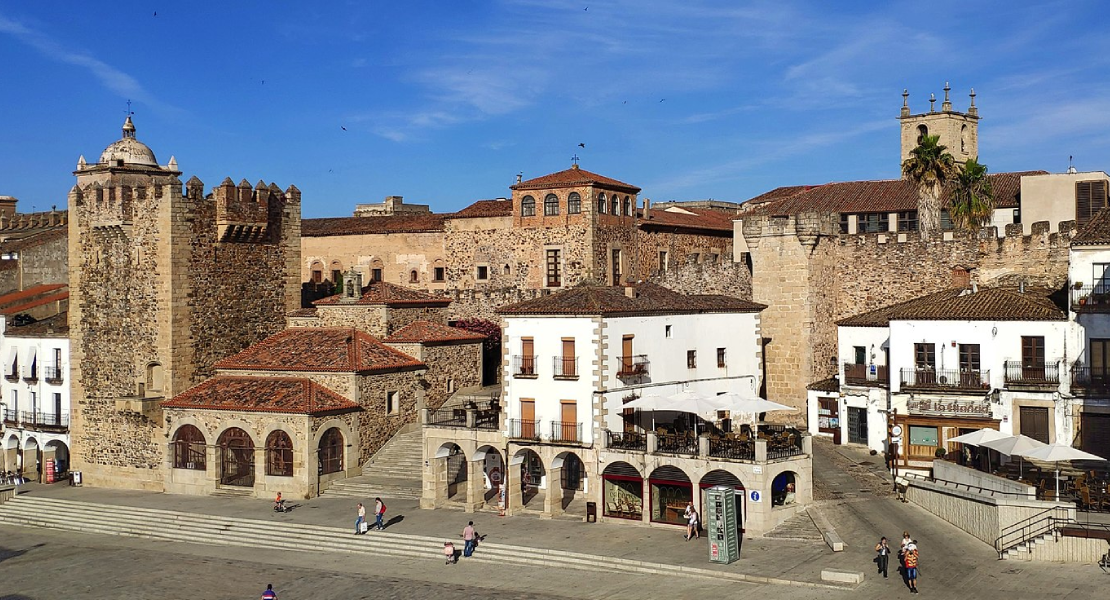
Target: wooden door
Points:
(528, 357)
(568, 362)
(626, 354)
(527, 418)
(1032, 358)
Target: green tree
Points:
(972, 202)
(929, 167)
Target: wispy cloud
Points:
(110, 77)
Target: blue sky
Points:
(445, 102)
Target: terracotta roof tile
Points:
(56, 326)
(332, 349)
(380, 292)
(988, 304)
(368, 225)
(1094, 232)
(293, 395)
(692, 218)
(778, 193)
(612, 300)
(427, 331)
(485, 208)
(574, 176)
(832, 384)
(888, 195)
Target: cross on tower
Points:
(129, 113)
(574, 159)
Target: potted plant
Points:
(1078, 285)
(941, 452)
(1083, 300)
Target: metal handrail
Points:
(1029, 528)
(968, 486)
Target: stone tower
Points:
(163, 283)
(958, 131)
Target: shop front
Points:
(623, 492)
(670, 491)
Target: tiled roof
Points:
(403, 223)
(33, 239)
(293, 395)
(888, 195)
(1094, 232)
(690, 218)
(778, 193)
(333, 349)
(832, 384)
(574, 176)
(380, 292)
(16, 302)
(987, 304)
(56, 326)
(485, 208)
(613, 300)
(427, 331)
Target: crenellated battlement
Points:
(37, 220)
(246, 214)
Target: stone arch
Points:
(532, 475)
(784, 488)
(572, 477)
(721, 477)
(922, 131)
(670, 490)
(279, 453)
(155, 377)
(188, 448)
(493, 469)
(414, 276)
(622, 491)
(57, 451)
(316, 271)
(331, 449)
(454, 461)
(236, 456)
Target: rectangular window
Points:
(969, 358)
(907, 220)
(375, 275)
(567, 363)
(438, 274)
(691, 359)
(663, 261)
(1100, 359)
(860, 353)
(713, 258)
(317, 276)
(527, 356)
(721, 362)
(1032, 351)
(392, 406)
(843, 222)
(336, 275)
(527, 418)
(923, 436)
(57, 407)
(1034, 422)
(695, 258)
(873, 223)
(483, 273)
(946, 221)
(615, 267)
(574, 203)
(925, 356)
(554, 268)
(1090, 197)
(1100, 278)
(667, 331)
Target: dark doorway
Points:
(236, 458)
(857, 425)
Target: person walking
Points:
(883, 550)
(691, 515)
(449, 553)
(360, 519)
(269, 594)
(379, 514)
(470, 538)
(911, 566)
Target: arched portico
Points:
(486, 475)
(32, 460)
(55, 461)
(11, 453)
(531, 480)
(567, 485)
(451, 473)
(720, 477)
(236, 449)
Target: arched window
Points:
(188, 448)
(527, 206)
(616, 205)
(550, 205)
(963, 139)
(574, 203)
(507, 270)
(627, 206)
(413, 277)
(601, 204)
(155, 376)
(922, 131)
(279, 454)
(331, 451)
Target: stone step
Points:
(798, 527)
(179, 527)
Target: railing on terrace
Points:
(784, 445)
(1091, 298)
(32, 374)
(53, 374)
(11, 415)
(566, 431)
(631, 366)
(946, 379)
(676, 443)
(866, 374)
(488, 419)
(1095, 380)
(44, 419)
(627, 440)
(1032, 373)
(732, 448)
(524, 429)
(447, 417)
(524, 366)
(565, 367)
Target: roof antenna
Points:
(1071, 167)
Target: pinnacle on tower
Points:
(932, 103)
(905, 103)
(128, 128)
(972, 110)
(946, 106)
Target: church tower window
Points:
(601, 204)
(551, 205)
(527, 206)
(574, 203)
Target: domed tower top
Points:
(128, 150)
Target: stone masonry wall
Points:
(376, 425)
(460, 364)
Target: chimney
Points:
(647, 207)
(630, 291)
(1021, 287)
(974, 288)
(518, 177)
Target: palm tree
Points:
(972, 202)
(929, 167)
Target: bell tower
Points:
(958, 131)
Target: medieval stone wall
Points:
(375, 424)
(450, 367)
(683, 249)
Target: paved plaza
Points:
(37, 563)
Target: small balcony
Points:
(955, 380)
(633, 366)
(1091, 298)
(13, 375)
(524, 367)
(11, 416)
(524, 429)
(627, 440)
(32, 375)
(53, 375)
(1090, 381)
(565, 367)
(566, 432)
(44, 420)
(483, 416)
(1020, 373)
(871, 375)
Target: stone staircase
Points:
(393, 472)
(799, 527)
(177, 526)
(1024, 550)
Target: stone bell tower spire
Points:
(958, 131)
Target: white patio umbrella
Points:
(1014, 445)
(1058, 453)
(650, 403)
(754, 405)
(690, 402)
(977, 437)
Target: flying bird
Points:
(662, 99)
(582, 145)
(343, 128)
(156, 13)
